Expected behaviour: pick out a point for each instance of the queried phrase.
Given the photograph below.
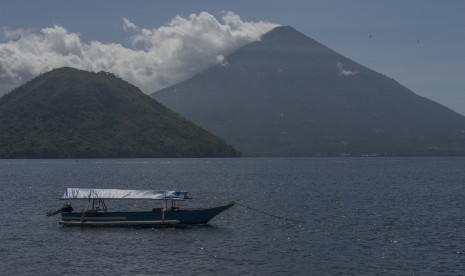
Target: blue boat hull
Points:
(157, 217)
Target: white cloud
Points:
(159, 57)
(128, 25)
(344, 72)
(220, 59)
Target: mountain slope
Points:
(68, 113)
(288, 95)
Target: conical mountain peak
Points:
(283, 33)
(288, 95)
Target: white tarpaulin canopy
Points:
(80, 193)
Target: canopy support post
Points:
(85, 211)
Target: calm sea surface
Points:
(363, 216)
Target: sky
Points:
(154, 44)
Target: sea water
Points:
(346, 216)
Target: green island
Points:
(69, 113)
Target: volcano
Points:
(288, 95)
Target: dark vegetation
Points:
(288, 95)
(68, 113)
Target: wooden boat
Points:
(97, 214)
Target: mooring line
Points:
(269, 214)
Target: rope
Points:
(269, 214)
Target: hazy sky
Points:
(153, 44)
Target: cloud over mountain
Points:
(159, 57)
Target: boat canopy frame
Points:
(104, 194)
(96, 198)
